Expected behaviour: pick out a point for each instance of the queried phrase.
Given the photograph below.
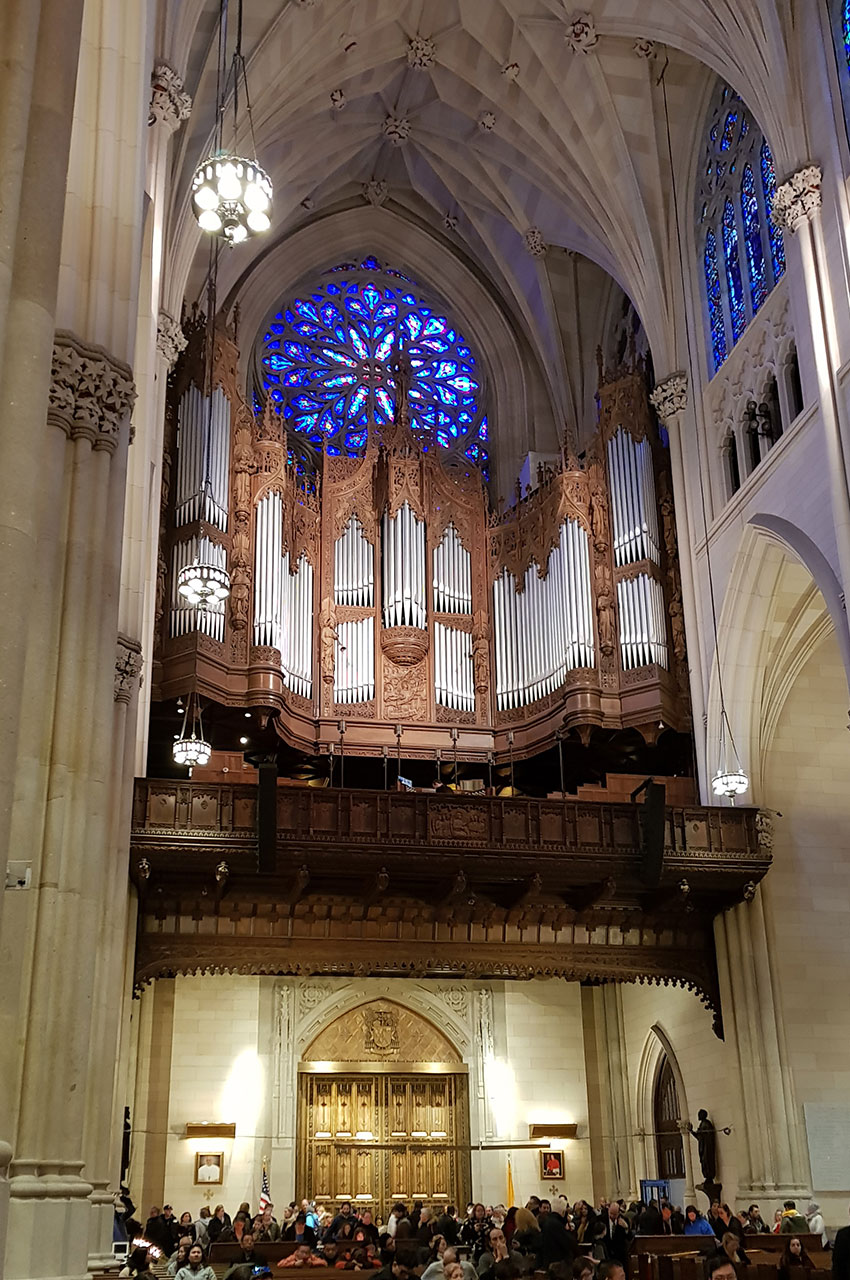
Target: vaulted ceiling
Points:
(480, 123)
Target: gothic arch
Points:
(371, 1026)
(656, 1047)
(424, 1004)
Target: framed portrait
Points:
(209, 1168)
(551, 1165)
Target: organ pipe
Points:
(643, 627)
(203, 458)
(404, 569)
(452, 574)
(354, 667)
(633, 506)
(354, 579)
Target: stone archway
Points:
(383, 1111)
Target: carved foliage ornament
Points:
(170, 104)
(170, 338)
(534, 242)
(421, 53)
(670, 396)
(128, 668)
(91, 393)
(581, 34)
(375, 191)
(798, 200)
(396, 130)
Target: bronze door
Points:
(378, 1138)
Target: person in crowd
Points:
(475, 1232)
(557, 1244)
(526, 1234)
(731, 1246)
(616, 1235)
(180, 1256)
(715, 1218)
(794, 1257)
(497, 1248)
(720, 1267)
(777, 1222)
(677, 1222)
(266, 1230)
(440, 1255)
(196, 1266)
(583, 1269)
(201, 1224)
(244, 1268)
(344, 1215)
(817, 1227)
(360, 1259)
(509, 1225)
(414, 1215)
(218, 1224)
(649, 1220)
(303, 1257)
(533, 1205)
(695, 1223)
(498, 1215)
(544, 1208)
(792, 1223)
(755, 1223)
(242, 1219)
(427, 1227)
(138, 1265)
(446, 1225)
(584, 1219)
(187, 1227)
(397, 1269)
(399, 1214)
(841, 1254)
(368, 1227)
(611, 1268)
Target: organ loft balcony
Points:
(255, 876)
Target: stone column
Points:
(670, 400)
(609, 1107)
(797, 208)
(41, 47)
(772, 1158)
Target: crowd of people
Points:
(489, 1242)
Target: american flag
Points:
(265, 1193)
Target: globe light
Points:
(729, 780)
(190, 748)
(232, 197)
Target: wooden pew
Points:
(683, 1257)
(231, 1251)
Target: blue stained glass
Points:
(752, 238)
(331, 376)
(845, 29)
(768, 182)
(715, 309)
(734, 284)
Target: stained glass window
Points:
(327, 357)
(734, 284)
(768, 179)
(752, 238)
(715, 306)
(728, 131)
(845, 29)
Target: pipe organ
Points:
(389, 592)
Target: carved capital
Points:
(170, 339)
(798, 199)
(396, 129)
(581, 33)
(128, 667)
(170, 104)
(670, 396)
(91, 393)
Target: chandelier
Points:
(231, 193)
(730, 779)
(190, 747)
(203, 585)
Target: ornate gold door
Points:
(375, 1138)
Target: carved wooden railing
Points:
(201, 813)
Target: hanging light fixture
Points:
(190, 748)
(203, 585)
(730, 780)
(231, 194)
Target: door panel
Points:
(377, 1138)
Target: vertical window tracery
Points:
(734, 195)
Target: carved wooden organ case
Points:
(387, 594)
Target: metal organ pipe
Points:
(404, 569)
(353, 567)
(183, 617)
(633, 505)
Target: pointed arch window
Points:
(768, 179)
(715, 305)
(752, 238)
(734, 284)
(735, 191)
